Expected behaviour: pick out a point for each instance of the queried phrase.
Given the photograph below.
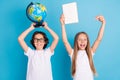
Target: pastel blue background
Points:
(13, 22)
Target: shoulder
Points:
(29, 52)
(71, 54)
(48, 51)
(92, 52)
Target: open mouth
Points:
(82, 45)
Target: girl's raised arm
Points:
(64, 37)
(100, 34)
(22, 37)
(55, 36)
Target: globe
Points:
(36, 12)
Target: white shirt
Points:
(39, 64)
(83, 70)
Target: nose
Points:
(82, 40)
(38, 41)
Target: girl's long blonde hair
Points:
(88, 51)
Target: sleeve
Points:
(48, 52)
(29, 52)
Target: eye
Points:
(85, 39)
(39, 39)
(79, 39)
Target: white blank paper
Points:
(70, 12)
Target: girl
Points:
(39, 65)
(81, 55)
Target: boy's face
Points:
(39, 41)
(82, 41)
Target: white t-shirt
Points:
(83, 70)
(39, 64)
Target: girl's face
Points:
(39, 41)
(82, 41)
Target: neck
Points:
(39, 48)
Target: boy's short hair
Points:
(44, 36)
